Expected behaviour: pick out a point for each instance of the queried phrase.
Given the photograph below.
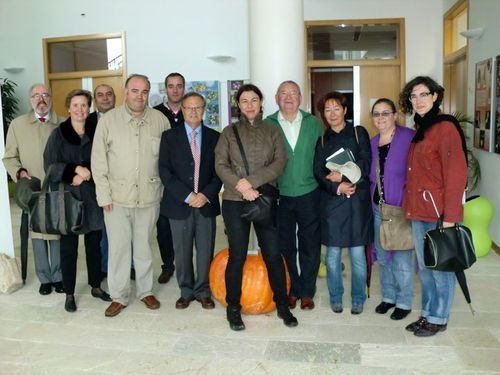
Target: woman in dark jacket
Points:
(67, 159)
(346, 213)
(265, 151)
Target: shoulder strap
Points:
(242, 151)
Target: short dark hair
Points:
(78, 92)
(389, 102)
(194, 94)
(336, 97)
(248, 87)
(432, 85)
(104, 85)
(175, 74)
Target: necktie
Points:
(196, 157)
(42, 119)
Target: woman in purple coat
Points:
(389, 152)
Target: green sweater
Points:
(298, 177)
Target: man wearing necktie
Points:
(191, 199)
(23, 158)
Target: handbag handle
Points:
(242, 151)
(42, 204)
(428, 193)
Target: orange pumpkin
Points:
(256, 293)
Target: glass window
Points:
(341, 41)
(85, 55)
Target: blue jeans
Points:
(396, 271)
(438, 288)
(334, 274)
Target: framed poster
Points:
(483, 106)
(497, 105)
(210, 90)
(232, 89)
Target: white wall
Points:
(161, 35)
(485, 13)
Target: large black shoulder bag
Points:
(263, 210)
(447, 249)
(56, 211)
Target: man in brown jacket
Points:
(23, 158)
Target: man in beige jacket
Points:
(128, 187)
(23, 158)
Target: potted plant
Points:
(10, 102)
(474, 169)
(10, 106)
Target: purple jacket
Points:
(395, 166)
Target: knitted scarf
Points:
(433, 117)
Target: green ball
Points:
(478, 213)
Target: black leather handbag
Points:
(448, 249)
(56, 211)
(262, 210)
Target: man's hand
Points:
(197, 200)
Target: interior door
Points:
(377, 82)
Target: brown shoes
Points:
(165, 277)
(182, 303)
(292, 302)
(151, 302)
(114, 309)
(206, 303)
(306, 303)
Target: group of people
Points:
(137, 168)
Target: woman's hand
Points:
(243, 185)
(77, 180)
(250, 194)
(83, 172)
(447, 224)
(347, 189)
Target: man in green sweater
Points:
(299, 194)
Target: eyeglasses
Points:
(422, 95)
(197, 108)
(382, 114)
(38, 96)
(287, 93)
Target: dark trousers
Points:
(238, 231)
(199, 231)
(164, 238)
(302, 212)
(69, 256)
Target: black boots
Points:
(234, 318)
(288, 319)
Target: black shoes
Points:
(429, 329)
(70, 305)
(234, 319)
(383, 307)
(58, 287)
(288, 319)
(415, 326)
(45, 289)
(399, 314)
(165, 277)
(99, 293)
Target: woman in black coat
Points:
(346, 215)
(67, 159)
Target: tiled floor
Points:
(37, 336)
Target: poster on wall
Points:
(210, 90)
(483, 121)
(232, 89)
(497, 105)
